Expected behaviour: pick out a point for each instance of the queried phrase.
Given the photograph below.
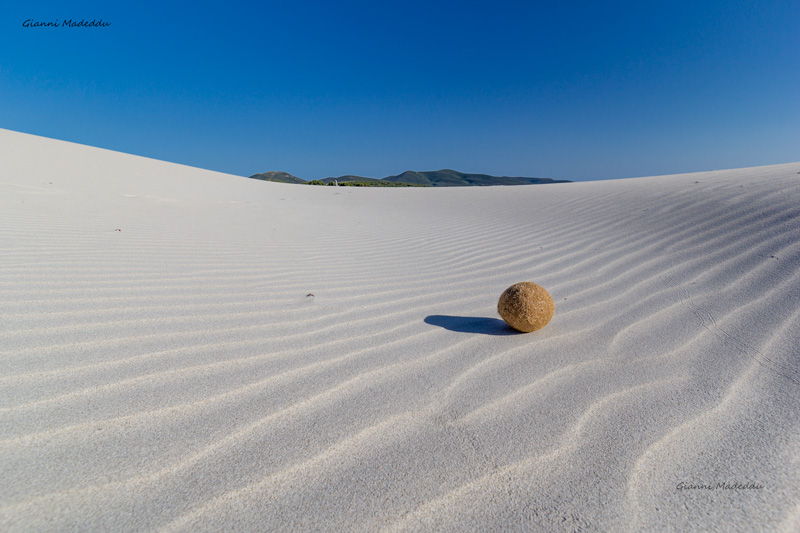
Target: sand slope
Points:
(176, 376)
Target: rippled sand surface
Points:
(184, 350)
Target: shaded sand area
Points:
(184, 350)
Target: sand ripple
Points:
(258, 356)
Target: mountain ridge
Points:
(431, 178)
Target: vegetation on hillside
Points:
(375, 183)
(454, 178)
(409, 178)
(281, 177)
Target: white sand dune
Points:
(164, 367)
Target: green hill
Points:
(283, 177)
(453, 178)
(434, 178)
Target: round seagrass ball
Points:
(526, 306)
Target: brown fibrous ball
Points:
(526, 306)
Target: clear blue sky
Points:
(573, 90)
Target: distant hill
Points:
(283, 177)
(453, 178)
(434, 178)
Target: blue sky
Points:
(572, 90)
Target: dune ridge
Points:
(184, 350)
